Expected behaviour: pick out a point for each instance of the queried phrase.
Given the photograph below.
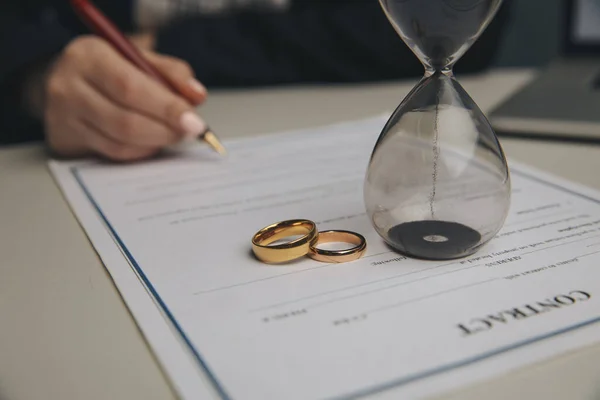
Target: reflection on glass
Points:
(438, 186)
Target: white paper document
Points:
(175, 234)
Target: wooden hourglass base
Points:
(434, 240)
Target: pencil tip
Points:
(212, 140)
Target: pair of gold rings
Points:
(307, 242)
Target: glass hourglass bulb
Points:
(438, 185)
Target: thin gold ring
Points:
(289, 250)
(338, 256)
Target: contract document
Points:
(175, 234)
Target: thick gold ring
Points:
(338, 256)
(287, 251)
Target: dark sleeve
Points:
(32, 31)
(313, 41)
(25, 38)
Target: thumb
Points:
(179, 74)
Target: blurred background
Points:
(309, 41)
(563, 102)
(532, 40)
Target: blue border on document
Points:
(151, 288)
(369, 390)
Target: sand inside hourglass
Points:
(438, 186)
(437, 238)
(437, 183)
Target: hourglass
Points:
(438, 185)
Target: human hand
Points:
(144, 41)
(97, 102)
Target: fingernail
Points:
(197, 86)
(192, 124)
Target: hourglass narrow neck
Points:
(429, 71)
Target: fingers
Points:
(120, 124)
(144, 41)
(116, 151)
(79, 138)
(127, 86)
(98, 143)
(97, 101)
(180, 74)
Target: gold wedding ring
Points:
(338, 256)
(287, 251)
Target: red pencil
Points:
(103, 27)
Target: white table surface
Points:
(64, 330)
